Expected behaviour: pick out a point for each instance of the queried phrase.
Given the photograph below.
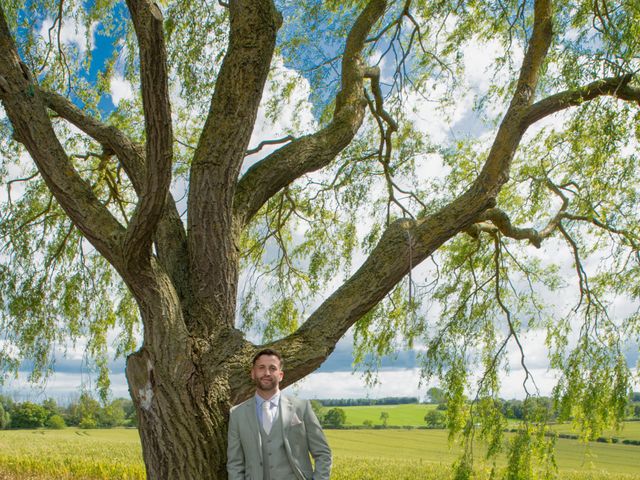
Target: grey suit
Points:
(302, 436)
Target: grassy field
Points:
(433, 446)
(629, 430)
(70, 454)
(413, 415)
(410, 414)
(360, 455)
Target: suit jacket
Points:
(302, 436)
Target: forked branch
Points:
(392, 258)
(32, 127)
(130, 154)
(170, 235)
(148, 23)
(312, 152)
(495, 220)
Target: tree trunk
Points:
(182, 423)
(183, 385)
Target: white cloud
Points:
(406, 383)
(459, 119)
(121, 89)
(71, 34)
(294, 111)
(63, 387)
(397, 383)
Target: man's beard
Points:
(266, 384)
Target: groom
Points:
(271, 435)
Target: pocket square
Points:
(295, 420)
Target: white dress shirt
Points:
(274, 403)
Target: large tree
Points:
(164, 191)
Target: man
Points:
(271, 435)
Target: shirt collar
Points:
(275, 400)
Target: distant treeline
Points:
(358, 402)
(517, 409)
(85, 412)
(513, 409)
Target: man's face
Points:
(266, 373)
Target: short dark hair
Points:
(268, 351)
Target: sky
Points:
(336, 378)
(398, 375)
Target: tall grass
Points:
(72, 454)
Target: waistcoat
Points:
(275, 463)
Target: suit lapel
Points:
(286, 412)
(252, 419)
(252, 422)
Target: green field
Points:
(400, 415)
(629, 430)
(433, 446)
(359, 455)
(413, 415)
(71, 454)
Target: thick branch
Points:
(495, 172)
(129, 153)
(32, 127)
(393, 257)
(171, 242)
(220, 153)
(148, 23)
(276, 141)
(306, 349)
(628, 93)
(501, 221)
(374, 75)
(312, 152)
(616, 86)
(404, 245)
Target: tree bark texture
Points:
(182, 420)
(183, 387)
